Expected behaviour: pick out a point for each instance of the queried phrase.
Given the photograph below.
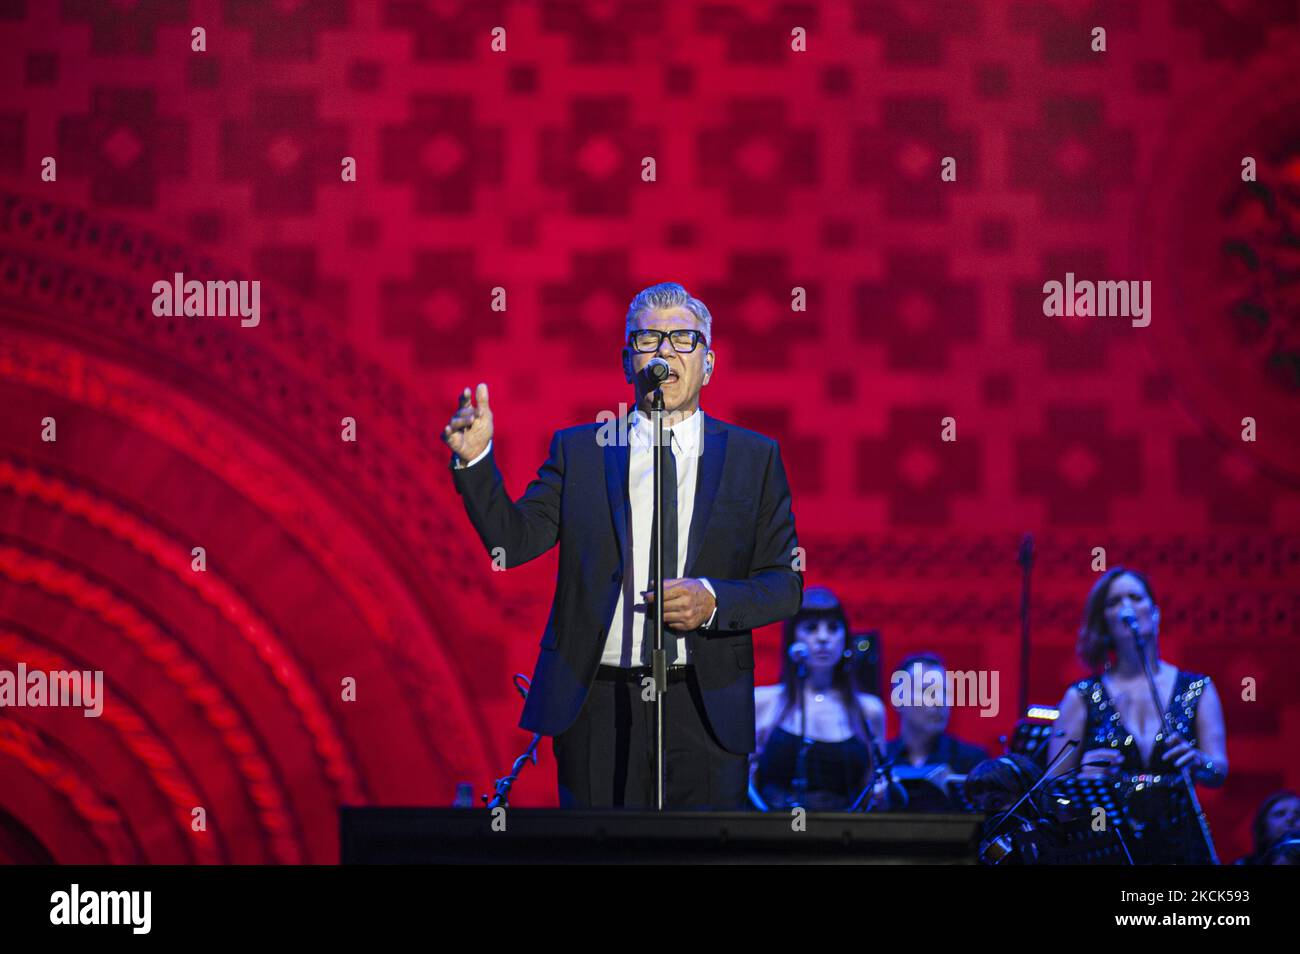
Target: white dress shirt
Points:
(623, 640)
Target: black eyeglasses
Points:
(683, 340)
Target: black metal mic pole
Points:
(882, 767)
(501, 789)
(799, 784)
(1027, 564)
(501, 798)
(1168, 726)
(658, 657)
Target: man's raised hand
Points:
(470, 428)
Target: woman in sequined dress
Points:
(1114, 718)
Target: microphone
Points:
(1129, 619)
(656, 371)
(798, 651)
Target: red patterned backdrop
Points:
(522, 170)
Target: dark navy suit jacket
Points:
(742, 537)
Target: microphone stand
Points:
(883, 766)
(1027, 564)
(658, 656)
(799, 784)
(501, 797)
(501, 788)
(1168, 726)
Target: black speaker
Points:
(1030, 737)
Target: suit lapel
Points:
(706, 486)
(616, 465)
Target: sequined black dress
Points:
(1160, 827)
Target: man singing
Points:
(730, 555)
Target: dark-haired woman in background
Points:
(843, 722)
(1113, 716)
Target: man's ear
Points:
(708, 366)
(627, 365)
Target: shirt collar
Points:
(686, 434)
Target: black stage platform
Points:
(552, 836)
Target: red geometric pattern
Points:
(521, 170)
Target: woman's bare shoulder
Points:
(871, 704)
